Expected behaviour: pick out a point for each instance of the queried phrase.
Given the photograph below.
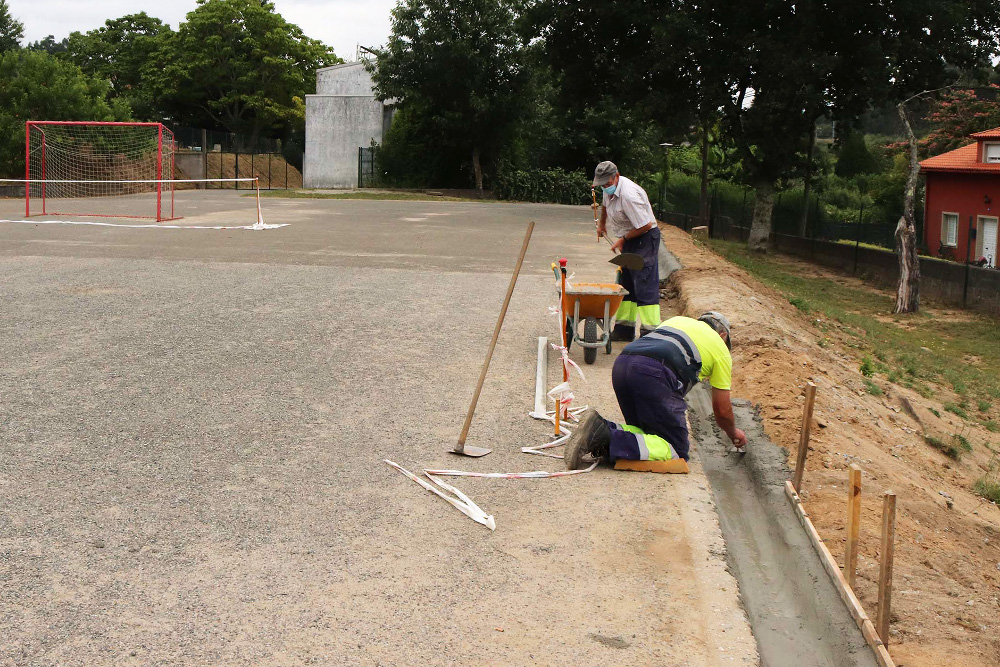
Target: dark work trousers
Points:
(643, 300)
(652, 402)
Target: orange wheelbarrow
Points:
(596, 304)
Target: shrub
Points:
(947, 449)
(867, 368)
(556, 186)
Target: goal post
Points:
(104, 169)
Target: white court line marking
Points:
(258, 226)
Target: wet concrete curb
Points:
(795, 612)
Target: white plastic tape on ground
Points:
(535, 474)
(257, 226)
(461, 501)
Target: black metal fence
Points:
(730, 218)
(367, 177)
(228, 155)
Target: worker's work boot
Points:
(592, 436)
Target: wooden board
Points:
(677, 466)
(840, 583)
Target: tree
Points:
(37, 86)
(49, 45)
(237, 64)
(855, 157)
(457, 66)
(957, 113)
(122, 51)
(11, 30)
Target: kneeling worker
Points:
(651, 376)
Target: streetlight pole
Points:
(666, 174)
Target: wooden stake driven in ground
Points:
(885, 566)
(807, 415)
(853, 524)
(460, 447)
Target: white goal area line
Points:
(257, 226)
(29, 182)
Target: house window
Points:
(949, 229)
(991, 153)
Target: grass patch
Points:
(800, 303)
(991, 426)
(872, 388)
(957, 410)
(867, 368)
(935, 412)
(370, 196)
(988, 489)
(948, 449)
(962, 442)
(984, 406)
(922, 347)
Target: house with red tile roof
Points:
(962, 200)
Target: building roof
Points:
(962, 160)
(987, 134)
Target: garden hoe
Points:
(460, 446)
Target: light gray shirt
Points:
(628, 208)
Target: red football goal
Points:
(120, 170)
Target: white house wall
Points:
(336, 126)
(347, 79)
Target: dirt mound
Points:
(946, 602)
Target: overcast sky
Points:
(343, 24)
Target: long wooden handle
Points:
(493, 342)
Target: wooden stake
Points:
(853, 524)
(807, 415)
(885, 566)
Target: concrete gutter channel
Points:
(796, 614)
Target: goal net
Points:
(99, 169)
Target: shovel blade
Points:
(468, 450)
(628, 260)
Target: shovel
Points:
(460, 446)
(627, 260)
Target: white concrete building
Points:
(341, 117)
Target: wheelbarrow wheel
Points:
(590, 336)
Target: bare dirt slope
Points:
(947, 561)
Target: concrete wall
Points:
(346, 79)
(336, 126)
(190, 163)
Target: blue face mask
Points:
(610, 189)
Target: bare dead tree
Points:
(908, 288)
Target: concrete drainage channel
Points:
(796, 614)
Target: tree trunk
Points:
(908, 289)
(760, 228)
(477, 168)
(703, 197)
(804, 219)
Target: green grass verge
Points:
(371, 196)
(914, 350)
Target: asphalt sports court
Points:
(193, 427)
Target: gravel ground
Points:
(192, 433)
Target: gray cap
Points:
(605, 172)
(718, 322)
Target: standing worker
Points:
(651, 377)
(625, 207)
